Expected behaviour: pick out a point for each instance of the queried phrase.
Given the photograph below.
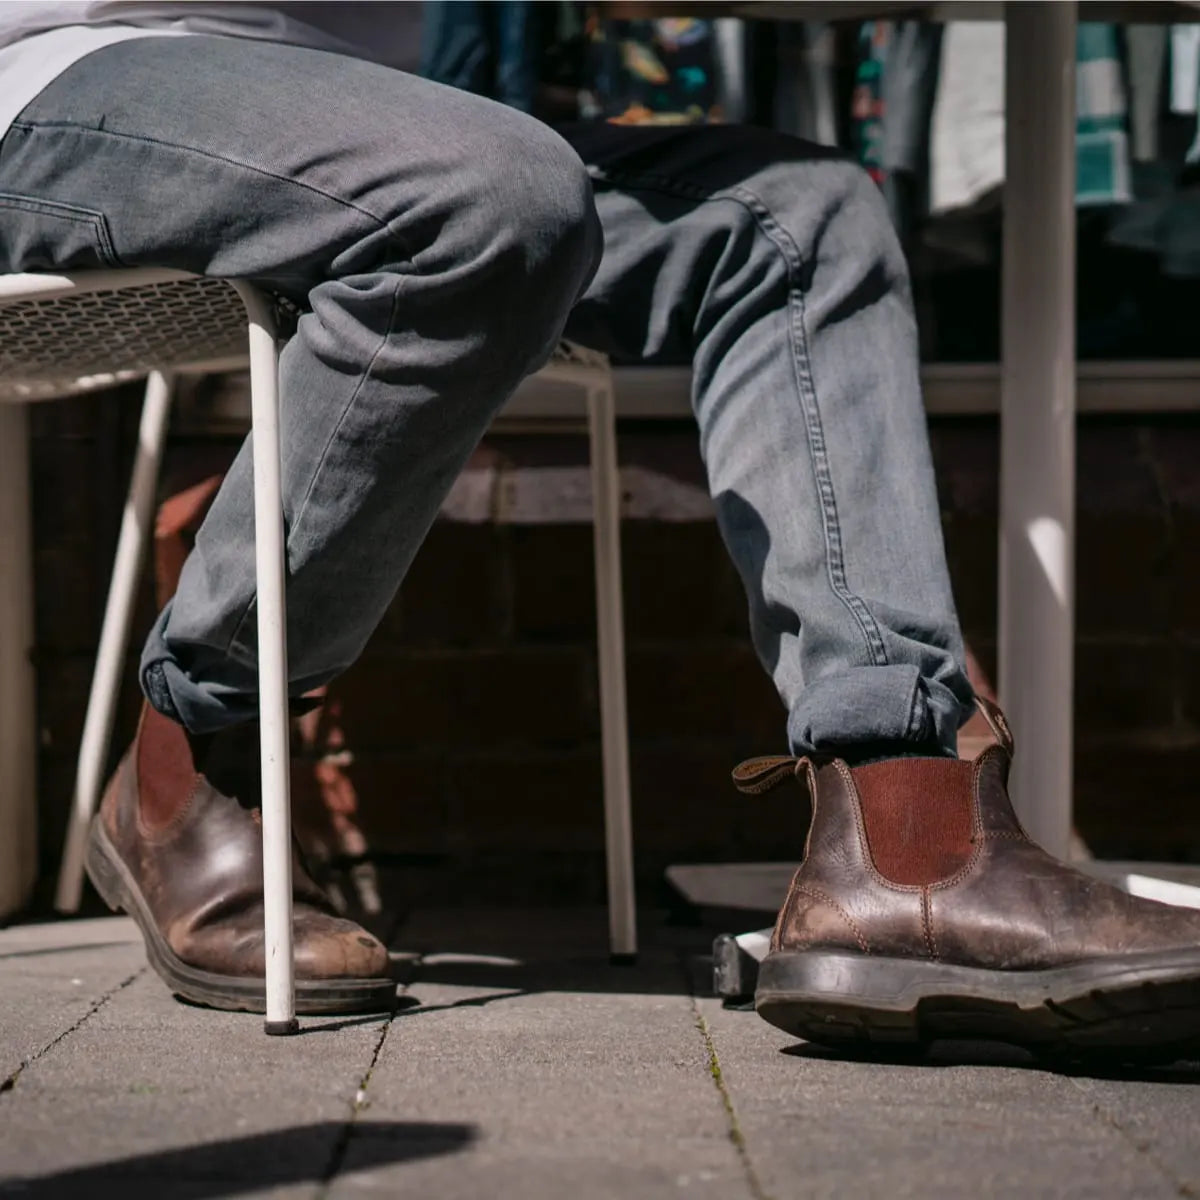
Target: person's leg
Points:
(921, 907)
(435, 243)
(770, 266)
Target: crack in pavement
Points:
(360, 1102)
(734, 1125)
(9, 1082)
(1141, 1146)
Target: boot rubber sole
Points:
(239, 993)
(1143, 1006)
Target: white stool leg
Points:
(614, 725)
(272, 666)
(136, 522)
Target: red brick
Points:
(679, 582)
(1124, 687)
(397, 801)
(1114, 472)
(512, 878)
(1123, 574)
(55, 782)
(971, 554)
(63, 477)
(685, 804)
(67, 599)
(392, 701)
(548, 801)
(85, 416)
(553, 582)
(63, 686)
(704, 689)
(1138, 804)
(1184, 567)
(981, 664)
(1175, 452)
(1187, 681)
(966, 460)
(531, 695)
(456, 592)
(189, 463)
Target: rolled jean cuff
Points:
(201, 707)
(884, 705)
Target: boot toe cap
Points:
(334, 948)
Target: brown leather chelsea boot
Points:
(923, 910)
(178, 846)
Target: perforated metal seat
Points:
(59, 339)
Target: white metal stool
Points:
(63, 335)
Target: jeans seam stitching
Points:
(233, 162)
(778, 237)
(303, 506)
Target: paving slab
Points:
(526, 1066)
(1158, 1113)
(148, 1097)
(52, 976)
(965, 1119)
(577, 1078)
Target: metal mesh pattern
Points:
(60, 346)
(75, 343)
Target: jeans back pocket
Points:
(44, 235)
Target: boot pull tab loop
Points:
(996, 722)
(758, 775)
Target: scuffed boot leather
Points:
(174, 847)
(922, 909)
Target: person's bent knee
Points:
(534, 213)
(822, 198)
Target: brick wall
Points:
(464, 746)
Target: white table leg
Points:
(18, 746)
(1037, 405)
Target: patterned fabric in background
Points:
(653, 72)
(1102, 173)
(867, 106)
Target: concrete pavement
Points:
(521, 1065)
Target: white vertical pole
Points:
(18, 745)
(614, 723)
(272, 665)
(136, 523)
(1037, 405)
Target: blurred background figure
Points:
(564, 61)
(490, 48)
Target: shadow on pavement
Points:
(658, 978)
(302, 1154)
(1000, 1054)
(44, 951)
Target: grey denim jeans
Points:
(439, 244)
